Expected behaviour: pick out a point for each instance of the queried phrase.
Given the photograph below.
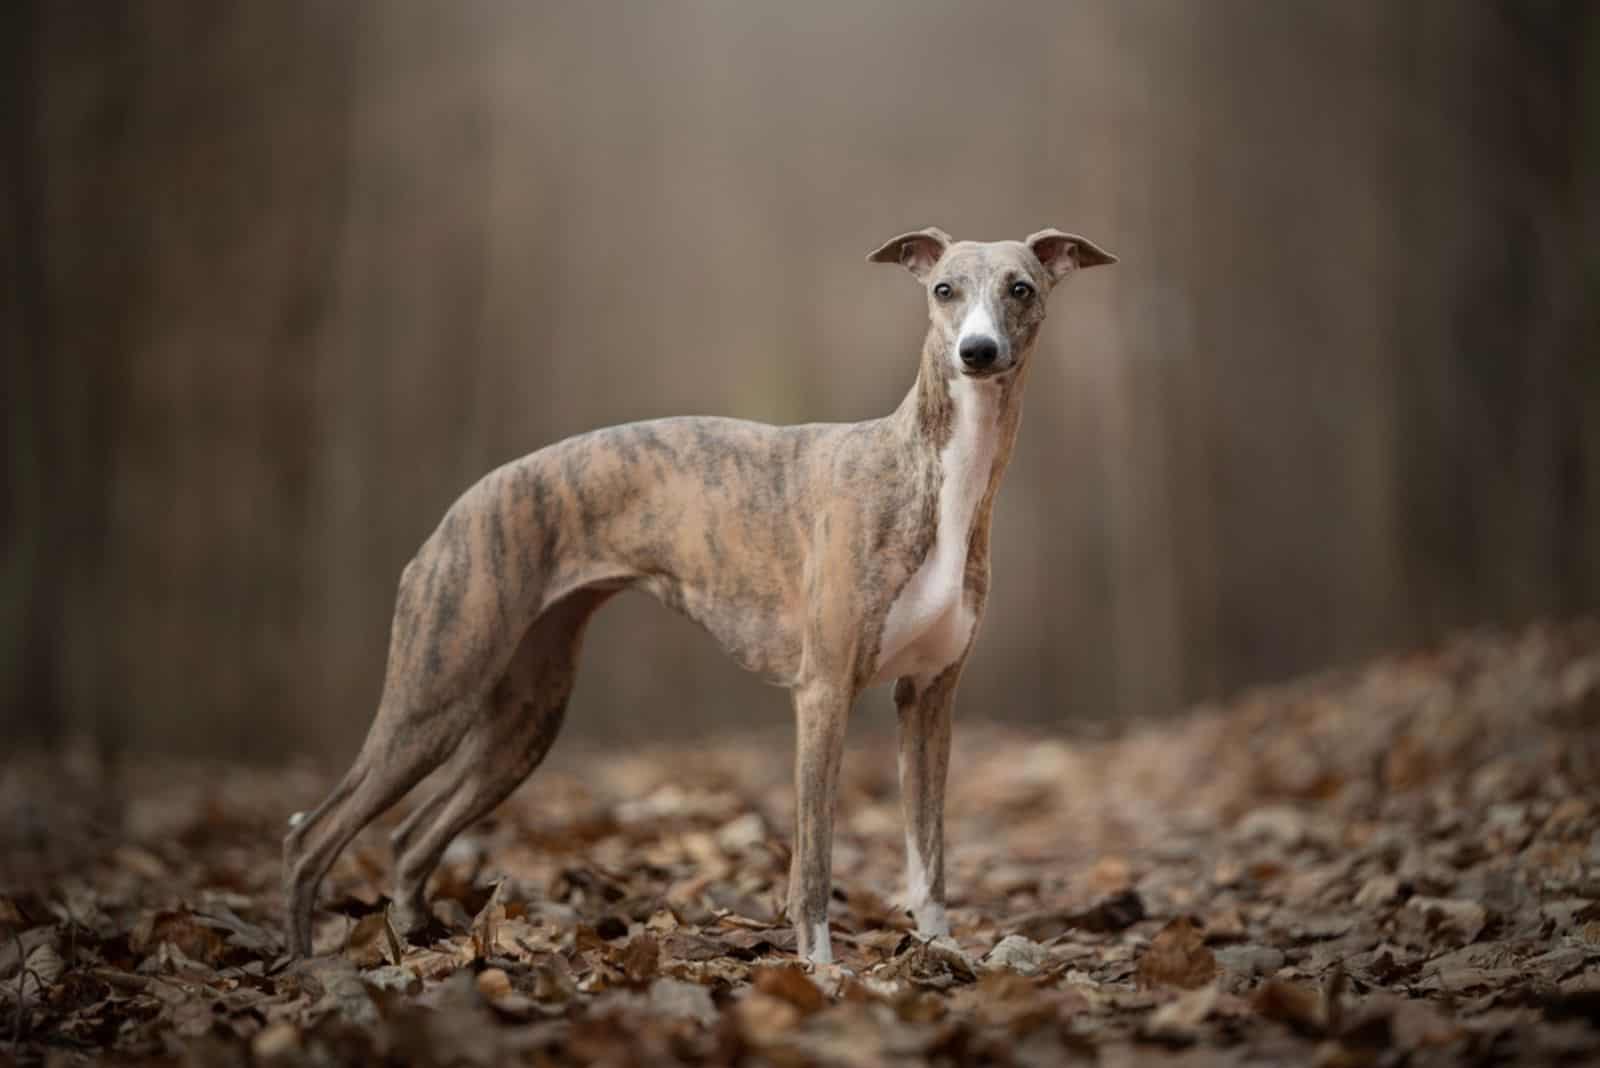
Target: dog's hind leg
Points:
(524, 714)
(450, 640)
(402, 747)
(447, 783)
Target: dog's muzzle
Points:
(978, 353)
(982, 356)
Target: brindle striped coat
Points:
(826, 557)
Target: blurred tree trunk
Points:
(32, 708)
(1492, 178)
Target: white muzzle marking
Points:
(980, 323)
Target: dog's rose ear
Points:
(917, 252)
(1063, 253)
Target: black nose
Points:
(979, 351)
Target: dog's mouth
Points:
(988, 372)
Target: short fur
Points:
(791, 545)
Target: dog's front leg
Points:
(924, 711)
(821, 711)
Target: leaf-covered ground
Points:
(1394, 866)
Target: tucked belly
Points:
(754, 626)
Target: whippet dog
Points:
(827, 557)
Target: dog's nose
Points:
(979, 352)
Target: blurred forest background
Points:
(284, 278)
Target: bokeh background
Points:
(284, 278)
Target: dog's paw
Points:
(833, 978)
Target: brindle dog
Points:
(827, 557)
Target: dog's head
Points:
(986, 299)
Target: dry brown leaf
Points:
(673, 997)
(789, 983)
(1415, 1024)
(1018, 954)
(193, 939)
(641, 958)
(552, 978)
(1178, 1021)
(1378, 890)
(1299, 1007)
(1116, 913)
(1225, 925)
(1015, 1003)
(368, 943)
(494, 983)
(276, 1041)
(762, 1019)
(688, 946)
(1177, 956)
(1446, 921)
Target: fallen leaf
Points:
(494, 983)
(1017, 954)
(193, 939)
(1454, 922)
(1177, 956)
(369, 942)
(1178, 1021)
(1116, 913)
(1378, 890)
(1249, 961)
(790, 984)
(1225, 925)
(673, 997)
(1298, 1007)
(276, 1041)
(762, 1019)
(641, 958)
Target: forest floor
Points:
(1396, 865)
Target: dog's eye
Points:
(943, 291)
(1021, 290)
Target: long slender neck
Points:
(928, 414)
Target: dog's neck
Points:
(930, 414)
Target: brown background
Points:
(286, 277)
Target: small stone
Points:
(1250, 961)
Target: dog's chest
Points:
(930, 621)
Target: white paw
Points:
(832, 977)
(820, 951)
(932, 922)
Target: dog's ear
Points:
(917, 251)
(1063, 253)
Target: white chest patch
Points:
(929, 624)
